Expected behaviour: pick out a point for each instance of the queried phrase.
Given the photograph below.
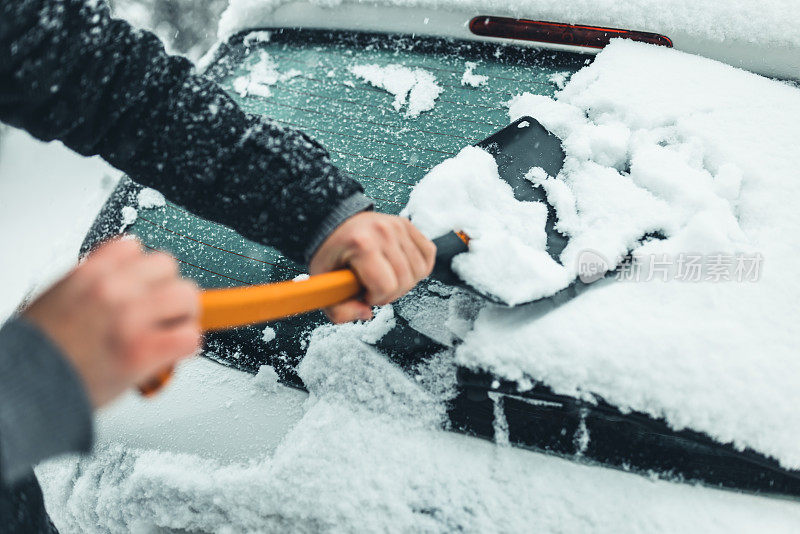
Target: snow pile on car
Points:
(507, 255)
(261, 77)
(148, 198)
(622, 182)
(471, 78)
(415, 87)
(774, 23)
(368, 456)
(707, 156)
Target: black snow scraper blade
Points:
(517, 148)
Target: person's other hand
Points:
(120, 317)
(387, 253)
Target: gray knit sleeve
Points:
(353, 204)
(44, 409)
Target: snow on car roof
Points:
(704, 155)
(768, 22)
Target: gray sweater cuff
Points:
(44, 409)
(347, 208)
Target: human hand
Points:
(120, 317)
(387, 254)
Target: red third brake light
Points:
(554, 32)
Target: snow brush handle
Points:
(222, 309)
(240, 306)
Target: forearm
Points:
(44, 410)
(70, 72)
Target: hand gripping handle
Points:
(222, 309)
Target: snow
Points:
(382, 323)
(149, 198)
(208, 410)
(470, 78)
(268, 334)
(416, 87)
(261, 76)
(366, 455)
(442, 313)
(776, 22)
(257, 37)
(342, 484)
(336, 354)
(129, 216)
(705, 154)
(559, 79)
(507, 255)
(267, 378)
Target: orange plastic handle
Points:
(240, 306)
(157, 382)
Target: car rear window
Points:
(308, 80)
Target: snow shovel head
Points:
(517, 148)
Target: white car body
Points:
(208, 410)
(227, 415)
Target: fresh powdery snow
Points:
(257, 37)
(415, 87)
(507, 249)
(261, 77)
(366, 455)
(129, 216)
(149, 198)
(268, 334)
(663, 143)
(267, 378)
(559, 78)
(470, 78)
